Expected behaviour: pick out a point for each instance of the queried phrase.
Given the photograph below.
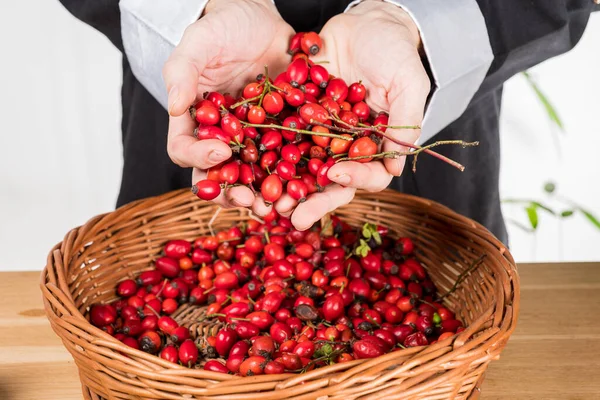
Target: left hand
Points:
(378, 43)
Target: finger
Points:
(285, 205)
(407, 99)
(259, 207)
(187, 151)
(183, 69)
(239, 196)
(319, 204)
(235, 196)
(371, 176)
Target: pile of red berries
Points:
(287, 300)
(286, 133)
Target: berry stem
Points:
(464, 276)
(305, 132)
(242, 102)
(427, 150)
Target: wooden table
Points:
(554, 353)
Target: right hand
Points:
(228, 47)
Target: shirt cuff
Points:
(457, 45)
(151, 30)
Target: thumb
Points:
(182, 70)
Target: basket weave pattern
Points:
(85, 267)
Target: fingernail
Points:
(173, 97)
(215, 156)
(343, 179)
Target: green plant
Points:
(532, 208)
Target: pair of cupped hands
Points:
(375, 41)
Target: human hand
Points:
(378, 43)
(221, 52)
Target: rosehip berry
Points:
(231, 125)
(319, 76)
(337, 89)
(273, 103)
(362, 147)
(356, 93)
(170, 353)
(313, 112)
(286, 170)
(271, 189)
(294, 45)
(206, 190)
(252, 89)
(256, 115)
(310, 43)
(127, 288)
(295, 97)
(188, 353)
(297, 72)
(216, 366)
(207, 115)
(254, 365)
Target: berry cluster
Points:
(286, 133)
(287, 300)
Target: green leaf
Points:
(537, 204)
(366, 233)
(377, 237)
(533, 216)
(590, 217)
(550, 110)
(566, 213)
(549, 187)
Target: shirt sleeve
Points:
(456, 42)
(150, 31)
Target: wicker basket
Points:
(85, 267)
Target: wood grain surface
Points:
(553, 354)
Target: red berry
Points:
(188, 353)
(333, 308)
(127, 288)
(207, 115)
(168, 266)
(216, 366)
(286, 170)
(256, 115)
(231, 125)
(297, 72)
(319, 76)
(356, 93)
(313, 112)
(271, 188)
(362, 147)
(294, 97)
(273, 103)
(216, 98)
(310, 43)
(337, 90)
(254, 365)
(297, 189)
(226, 338)
(229, 173)
(206, 189)
(294, 45)
(252, 89)
(170, 353)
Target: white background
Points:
(60, 154)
